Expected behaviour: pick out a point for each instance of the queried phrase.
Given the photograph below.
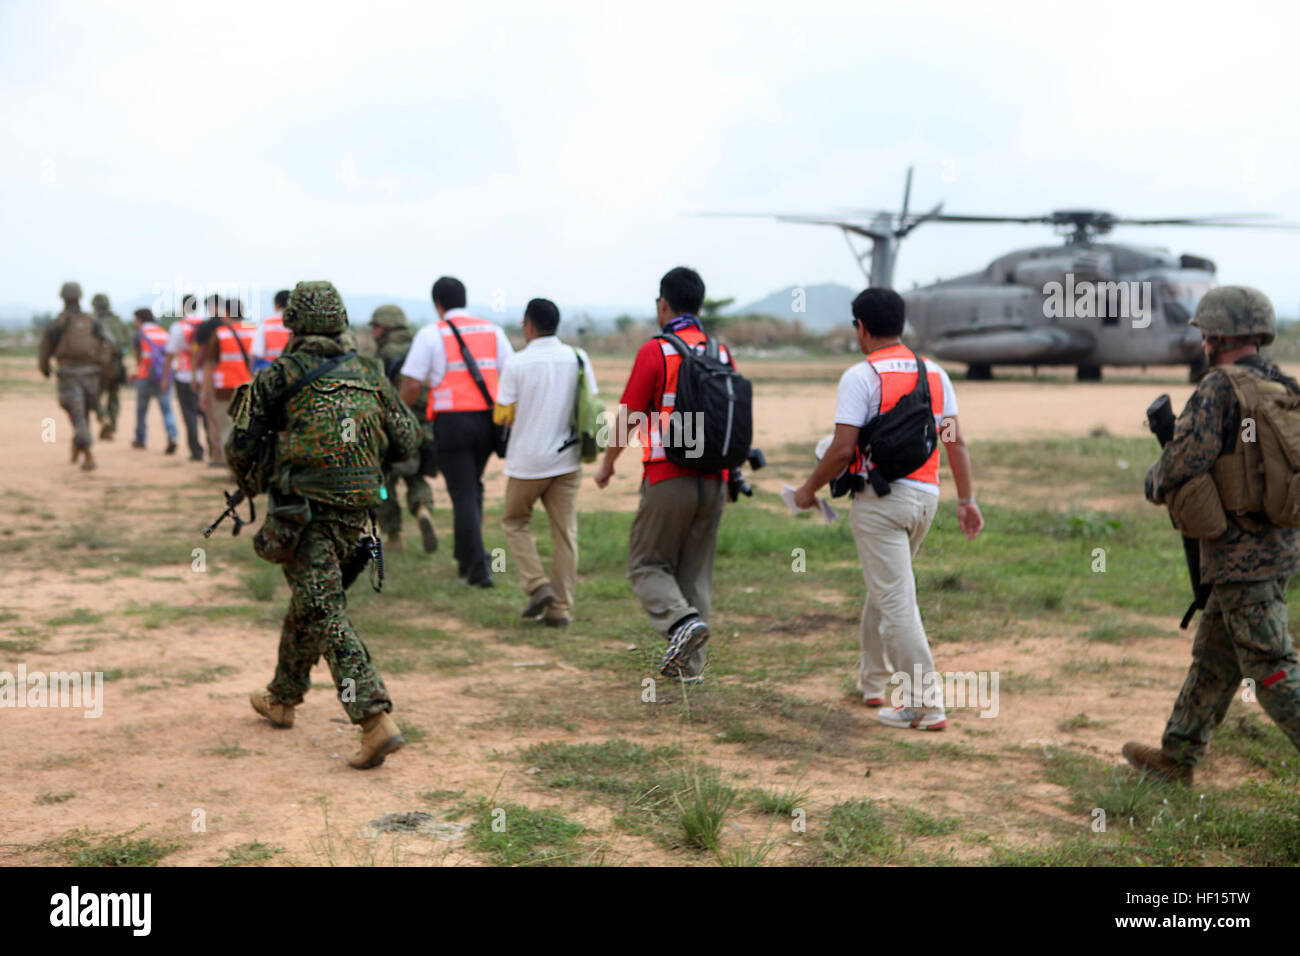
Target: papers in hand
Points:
(823, 506)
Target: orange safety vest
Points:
(185, 359)
(231, 370)
(897, 373)
(275, 335)
(156, 336)
(651, 432)
(457, 391)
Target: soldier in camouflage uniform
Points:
(392, 334)
(334, 439)
(115, 375)
(1243, 629)
(82, 347)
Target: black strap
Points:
(922, 380)
(711, 347)
(574, 436)
(468, 357)
(310, 377)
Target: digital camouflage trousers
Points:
(317, 622)
(1242, 634)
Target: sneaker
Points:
(694, 681)
(543, 596)
(873, 701)
(912, 717)
(556, 621)
(688, 637)
(171, 447)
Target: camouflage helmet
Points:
(99, 301)
(389, 317)
(315, 308)
(1233, 310)
(70, 290)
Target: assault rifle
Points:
(1160, 419)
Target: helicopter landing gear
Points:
(1089, 373)
(1196, 369)
(979, 373)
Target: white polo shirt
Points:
(176, 344)
(858, 401)
(427, 359)
(541, 381)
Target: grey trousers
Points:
(670, 554)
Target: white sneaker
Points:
(913, 718)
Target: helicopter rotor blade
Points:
(907, 192)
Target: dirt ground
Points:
(154, 760)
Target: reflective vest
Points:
(275, 336)
(231, 370)
(153, 339)
(457, 391)
(185, 358)
(897, 373)
(651, 432)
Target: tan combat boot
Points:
(428, 536)
(379, 738)
(1153, 761)
(88, 462)
(280, 715)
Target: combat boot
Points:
(379, 737)
(280, 715)
(88, 461)
(428, 536)
(1153, 761)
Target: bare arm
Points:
(838, 457)
(409, 390)
(605, 470)
(968, 511)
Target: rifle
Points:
(1160, 419)
(233, 500)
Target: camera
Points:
(736, 483)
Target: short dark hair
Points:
(282, 298)
(143, 315)
(544, 314)
(880, 311)
(683, 290)
(449, 293)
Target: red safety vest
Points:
(150, 334)
(275, 335)
(897, 371)
(231, 370)
(457, 391)
(651, 432)
(185, 358)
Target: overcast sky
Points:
(557, 149)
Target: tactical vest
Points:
(457, 391)
(334, 441)
(1261, 475)
(79, 343)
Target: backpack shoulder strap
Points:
(922, 377)
(248, 364)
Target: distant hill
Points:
(824, 305)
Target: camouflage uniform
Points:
(120, 336)
(339, 494)
(80, 365)
(391, 347)
(1243, 629)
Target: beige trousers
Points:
(888, 531)
(559, 496)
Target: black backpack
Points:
(902, 439)
(724, 401)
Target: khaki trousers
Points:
(670, 553)
(559, 496)
(888, 531)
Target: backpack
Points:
(901, 440)
(334, 447)
(157, 360)
(1274, 455)
(587, 425)
(721, 399)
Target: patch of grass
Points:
(920, 823)
(852, 834)
(230, 751)
(249, 854)
(778, 802)
(78, 849)
(45, 799)
(411, 732)
(516, 835)
(77, 616)
(441, 796)
(703, 807)
(1260, 743)
(1078, 722)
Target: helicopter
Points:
(1085, 302)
